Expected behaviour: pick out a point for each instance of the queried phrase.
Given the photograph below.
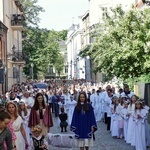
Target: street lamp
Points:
(147, 2)
(32, 65)
(13, 48)
(13, 53)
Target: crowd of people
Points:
(26, 115)
(125, 115)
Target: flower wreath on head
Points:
(37, 128)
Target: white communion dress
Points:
(20, 144)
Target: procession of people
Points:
(29, 114)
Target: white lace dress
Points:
(20, 144)
(25, 125)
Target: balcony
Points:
(17, 57)
(17, 22)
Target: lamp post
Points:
(13, 48)
(32, 65)
(71, 69)
(1, 74)
(76, 71)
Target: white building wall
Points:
(1, 10)
(79, 38)
(75, 64)
(96, 11)
(96, 16)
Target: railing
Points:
(20, 56)
(17, 20)
(17, 56)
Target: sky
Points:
(59, 14)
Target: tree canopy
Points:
(32, 11)
(40, 45)
(122, 43)
(42, 49)
(59, 64)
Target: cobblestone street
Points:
(103, 141)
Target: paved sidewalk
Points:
(103, 141)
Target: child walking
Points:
(131, 108)
(37, 141)
(83, 123)
(120, 118)
(147, 130)
(124, 112)
(139, 116)
(115, 115)
(63, 120)
(24, 113)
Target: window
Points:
(66, 69)
(51, 69)
(104, 12)
(91, 39)
(15, 73)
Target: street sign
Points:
(1, 76)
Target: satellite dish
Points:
(1, 63)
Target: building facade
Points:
(3, 57)
(79, 38)
(63, 52)
(12, 16)
(76, 65)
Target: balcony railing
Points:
(17, 57)
(18, 21)
(20, 55)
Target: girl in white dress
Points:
(24, 113)
(131, 108)
(71, 105)
(120, 119)
(66, 94)
(147, 131)
(124, 112)
(21, 141)
(98, 106)
(115, 116)
(139, 116)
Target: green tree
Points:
(121, 43)
(42, 49)
(36, 41)
(41, 45)
(32, 11)
(59, 64)
(63, 34)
